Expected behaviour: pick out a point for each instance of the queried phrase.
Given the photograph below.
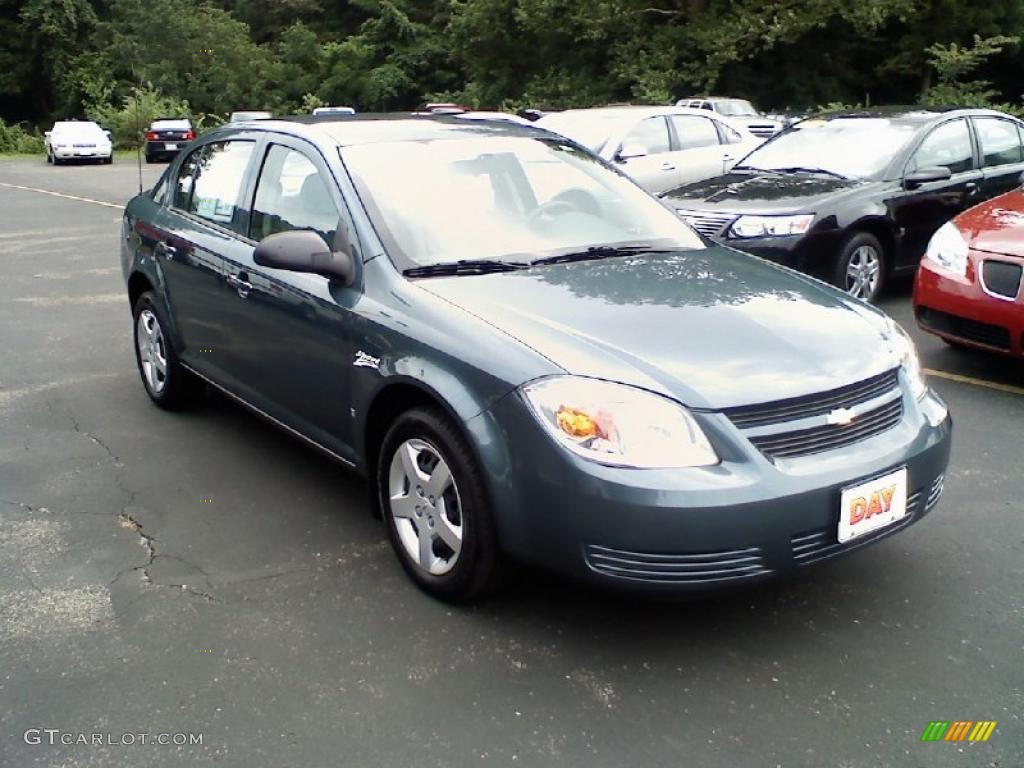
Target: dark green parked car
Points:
(527, 355)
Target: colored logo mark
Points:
(958, 730)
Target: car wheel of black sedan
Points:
(167, 383)
(861, 266)
(435, 505)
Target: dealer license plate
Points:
(872, 505)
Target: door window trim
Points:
(975, 162)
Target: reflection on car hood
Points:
(713, 328)
(996, 226)
(744, 191)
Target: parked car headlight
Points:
(906, 352)
(618, 424)
(771, 226)
(948, 249)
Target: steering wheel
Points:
(550, 210)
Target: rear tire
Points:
(432, 494)
(861, 267)
(167, 382)
(108, 160)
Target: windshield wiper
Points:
(808, 169)
(599, 252)
(464, 267)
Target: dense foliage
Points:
(122, 61)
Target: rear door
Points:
(698, 150)
(919, 212)
(196, 230)
(655, 170)
(289, 344)
(1002, 156)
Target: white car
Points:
(78, 140)
(249, 114)
(660, 148)
(740, 110)
(334, 111)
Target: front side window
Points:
(183, 182)
(948, 146)
(291, 194)
(694, 132)
(217, 184)
(650, 135)
(1000, 142)
(514, 198)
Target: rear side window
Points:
(217, 184)
(947, 146)
(291, 194)
(694, 132)
(650, 134)
(1000, 142)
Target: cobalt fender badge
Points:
(364, 360)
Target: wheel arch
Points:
(883, 231)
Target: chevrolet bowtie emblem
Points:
(840, 417)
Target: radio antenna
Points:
(138, 137)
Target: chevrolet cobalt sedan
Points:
(527, 355)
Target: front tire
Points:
(167, 382)
(861, 266)
(431, 491)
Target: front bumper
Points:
(87, 153)
(961, 310)
(672, 531)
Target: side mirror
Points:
(306, 251)
(47, 134)
(915, 179)
(108, 134)
(630, 151)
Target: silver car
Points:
(661, 148)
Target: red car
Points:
(968, 289)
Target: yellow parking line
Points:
(61, 194)
(976, 382)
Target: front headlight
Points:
(948, 249)
(771, 226)
(617, 424)
(905, 350)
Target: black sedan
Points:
(853, 197)
(167, 136)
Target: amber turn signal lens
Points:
(577, 423)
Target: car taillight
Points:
(150, 135)
(190, 135)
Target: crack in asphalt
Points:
(149, 543)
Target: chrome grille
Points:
(1002, 278)
(813, 405)
(935, 492)
(708, 224)
(763, 131)
(805, 442)
(83, 146)
(691, 567)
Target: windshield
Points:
(503, 198)
(90, 130)
(591, 129)
(736, 108)
(171, 125)
(855, 147)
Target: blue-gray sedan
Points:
(527, 355)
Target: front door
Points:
(654, 168)
(290, 341)
(698, 151)
(919, 212)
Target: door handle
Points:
(166, 250)
(240, 284)
(971, 188)
(667, 167)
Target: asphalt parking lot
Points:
(206, 574)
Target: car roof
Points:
(366, 128)
(910, 114)
(629, 109)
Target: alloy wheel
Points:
(425, 506)
(863, 272)
(149, 337)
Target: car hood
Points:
(712, 328)
(996, 226)
(762, 192)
